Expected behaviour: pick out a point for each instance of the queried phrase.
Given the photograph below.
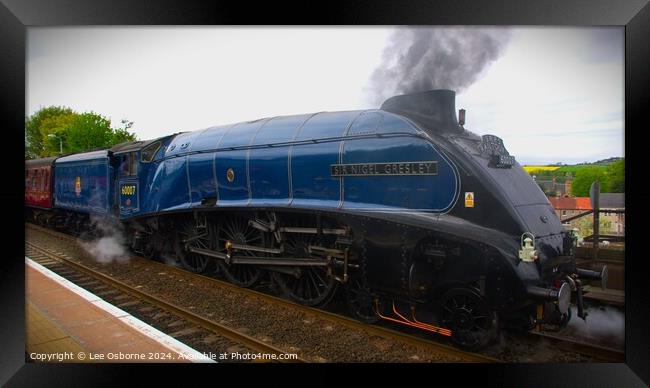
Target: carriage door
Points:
(128, 187)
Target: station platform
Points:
(65, 323)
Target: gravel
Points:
(312, 338)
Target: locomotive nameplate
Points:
(385, 169)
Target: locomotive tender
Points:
(421, 221)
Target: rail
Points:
(325, 315)
(189, 316)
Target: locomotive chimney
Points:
(461, 117)
(435, 110)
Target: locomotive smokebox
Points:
(435, 110)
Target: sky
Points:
(552, 94)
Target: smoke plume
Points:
(109, 243)
(425, 58)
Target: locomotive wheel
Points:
(237, 230)
(149, 249)
(152, 245)
(313, 286)
(360, 300)
(193, 261)
(471, 321)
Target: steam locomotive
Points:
(418, 220)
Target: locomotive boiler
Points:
(417, 219)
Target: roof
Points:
(612, 200)
(101, 154)
(32, 163)
(573, 203)
(290, 129)
(607, 201)
(133, 145)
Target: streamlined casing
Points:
(302, 162)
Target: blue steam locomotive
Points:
(419, 220)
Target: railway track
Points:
(334, 318)
(601, 353)
(128, 295)
(597, 352)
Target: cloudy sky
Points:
(552, 94)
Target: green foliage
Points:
(543, 175)
(585, 225)
(121, 135)
(52, 120)
(88, 131)
(611, 177)
(585, 177)
(52, 128)
(616, 175)
(573, 169)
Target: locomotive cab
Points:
(128, 183)
(132, 162)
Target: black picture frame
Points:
(17, 15)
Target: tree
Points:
(52, 120)
(92, 131)
(585, 177)
(89, 131)
(616, 175)
(74, 132)
(121, 135)
(585, 225)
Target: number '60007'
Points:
(128, 190)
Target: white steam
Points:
(605, 325)
(110, 246)
(170, 259)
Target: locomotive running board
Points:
(270, 227)
(244, 247)
(207, 252)
(259, 260)
(337, 232)
(252, 260)
(412, 323)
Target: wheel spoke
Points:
(468, 316)
(313, 281)
(237, 230)
(193, 261)
(315, 272)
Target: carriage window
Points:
(42, 180)
(149, 152)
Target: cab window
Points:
(129, 164)
(149, 152)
